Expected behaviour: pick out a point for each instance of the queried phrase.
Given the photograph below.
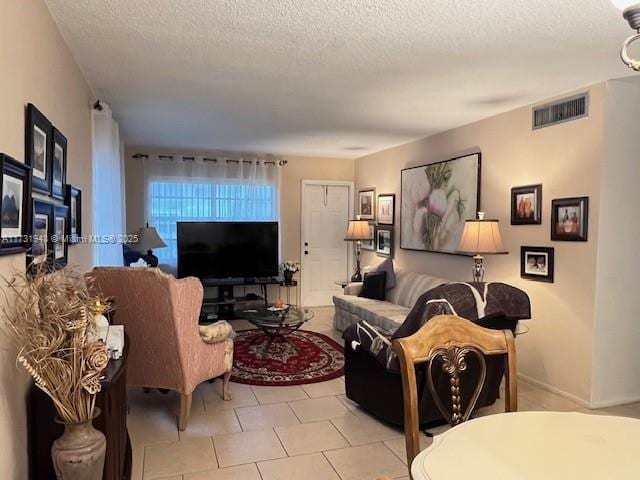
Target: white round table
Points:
(534, 446)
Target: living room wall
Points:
(296, 170)
(37, 67)
(567, 160)
(616, 358)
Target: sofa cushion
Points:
(409, 287)
(387, 266)
(349, 302)
(373, 285)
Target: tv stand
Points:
(224, 304)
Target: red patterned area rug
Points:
(306, 357)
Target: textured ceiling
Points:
(330, 77)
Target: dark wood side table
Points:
(112, 401)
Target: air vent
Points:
(564, 110)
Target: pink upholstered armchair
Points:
(160, 316)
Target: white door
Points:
(325, 255)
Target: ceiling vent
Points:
(564, 110)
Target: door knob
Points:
(306, 252)
(306, 244)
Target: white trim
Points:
(614, 403)
(557, 391)
(337, 183)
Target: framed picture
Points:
(41, 250)
(366, 204)
(73, 200)
(386, 208)
(15, 191)
(435, 202)
(384, 241)
(570, 219)
(59, 237)
(526, 205)
(370, 244)
(537, 263)
(38, 141)
(59, 164)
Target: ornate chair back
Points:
(449, 342)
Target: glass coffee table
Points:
(276, 324)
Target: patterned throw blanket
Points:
(491, 305)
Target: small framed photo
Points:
(384, 241)
(39, 256)
(386, 208)
(15, 191)
(366, 204)
(73, 200)
(370, 244)
(526, 205)
(59, 164)
(38, 142)
(570, 219)
(537, 263)
(59, 238)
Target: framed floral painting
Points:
(436, 200)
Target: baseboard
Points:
(615, 403)
(557, 391)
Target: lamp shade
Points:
(148, 239)
(358, 230)
(481, 237)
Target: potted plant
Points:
(51, 322)
(288, 269)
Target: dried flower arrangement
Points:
(50, 320)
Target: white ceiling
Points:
(336, 78)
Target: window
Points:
(171, 202)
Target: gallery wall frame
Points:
(384, 241)
(15, 211)
(537, 263)
(73, 200)
(58, 165)
(435, 201)
(386, 208)
(41, 249)
(526, 205)
(570, 219)
(59, 237)
(367, 204)
(38, 154)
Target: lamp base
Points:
(478, 268)
(356, 277)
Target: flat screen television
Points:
(221, 250)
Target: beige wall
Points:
(37, 67)
(566, 159)
(616, 359)
(296, 170)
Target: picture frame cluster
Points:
(29, 221)
(569, 223)
(380, 212)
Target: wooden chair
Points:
(450, 339)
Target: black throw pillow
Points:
(373, 285)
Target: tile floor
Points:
(310, 432)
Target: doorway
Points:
(326, 209)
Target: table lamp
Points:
(481, 237)
(148, 239)
(358, 231)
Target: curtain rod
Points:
(187, 158)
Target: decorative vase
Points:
(288, 278)
(80, 452)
